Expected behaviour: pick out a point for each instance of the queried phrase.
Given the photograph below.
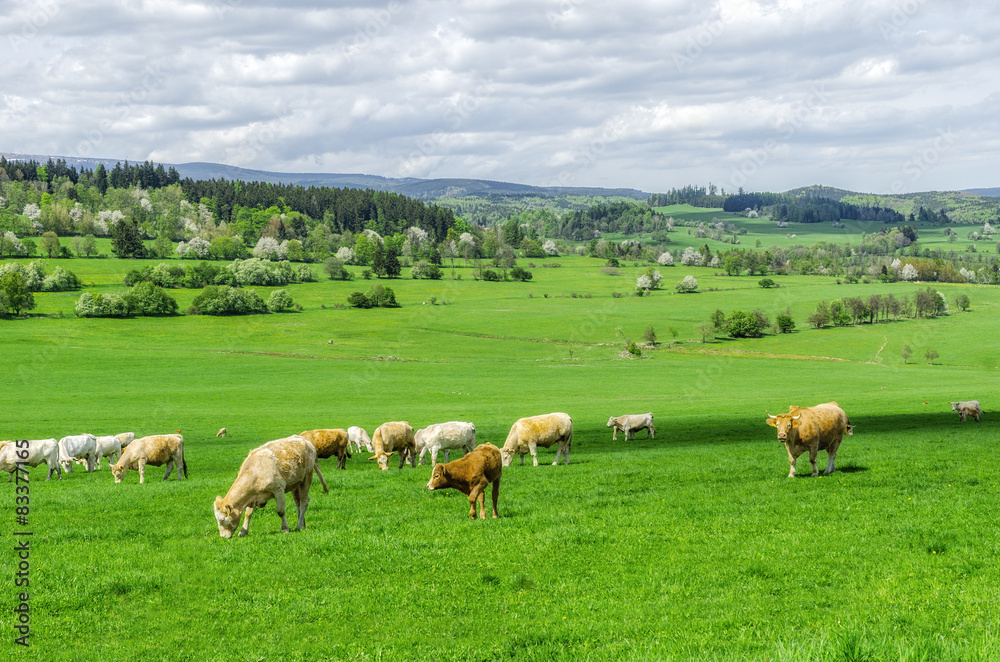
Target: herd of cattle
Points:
(287, 465)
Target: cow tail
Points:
(321, 479)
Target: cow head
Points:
(226, 517)
(439, 478)
(785, 423)
(954, 406)
(382, 458)
(118, 472)
(506, 457)
(612, 422)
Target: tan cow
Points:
(630, 424)
(330, 443)
(155, 450)
(470, 475)
(528, 433)
(221, 432)
(268, 472)
(812, 429)
(394, 436)
(126, 438)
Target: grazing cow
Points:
(155, 450)
(470, 475)
(37, 451)
(812, 429)
(78, 447)
(528, 433)
(110, 447)
(330, 443)
(630, 424)
(126, 438)
(967, 408)
(392, 437)
(357, 437)
(444, 437)
(271, 470)
(221, 433)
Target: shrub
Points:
(16, 293)
(305, 274)
(279, 301)
(490, 275)
(103, 305)
(742, 324)
(226, 300)
(520, 274)
(334, 268)
(377, 297)
(150, 299)
(359, 300)
(532, 248)
(785, 323)
(767, 283)
(633, 349)
(689, 284)
(424, 270)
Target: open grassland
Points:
(693, 545)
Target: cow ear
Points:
(390, 454)
(796, 422)
(773, 422)
(373, 457)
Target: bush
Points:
(767, 283)
(741, 324)
(334, 268)
(689, 284)
(150, 299)
(519, 274)
(377, 297)
(490, 275)
(102, 305)
(17, 296)
(60, 281)
(424, 270)
(785, 323)
(359, 300)
(226, 300)
(279, 301)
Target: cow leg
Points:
(813, 452)
(90, 463)
(559, 451)
(614, 433)
(831, 456)
(533, 449)
(476, 493)
(142, 470)
(791, 461)
(279, 505)
(447, 454)
(245, 529)
(496, 496)
(434, 456)
(170, 467)
(522, 459)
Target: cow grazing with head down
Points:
(392, 437)
(967, 408)
(126, 438)
(471, 475)
(358, 439)
(31, 453)
(268, 472)
(155, 450)
(812, 429)
(630, 424)
(444, 437)
(330, 443)
(78, 447)
(545, 430)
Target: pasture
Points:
(691, 546)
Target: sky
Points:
(880, 96)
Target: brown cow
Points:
(812, 429)
(470, 475)
(156, 450)
(330, 443)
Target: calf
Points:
(470, 475)
(444, 437)
(268, 472)
(156, 450)
(31, 453)
(357, 437)
(78, 447)
(630, 424)
(221, 433)
(330, 443)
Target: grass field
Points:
(693, 545)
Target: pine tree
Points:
(126, 239)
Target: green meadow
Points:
(690, 546)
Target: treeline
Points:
(696, 196)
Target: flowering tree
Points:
(689, 284)
(345, 254)
(665, 260)
(908, 272)
(550, 248)
(691, 257)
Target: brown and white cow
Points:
(812, 429)
(330, 443)
(268, 472)
(545, 430)
(155, 450)
(967, 408)
(470, 475)
(630, 424)
(392, 437)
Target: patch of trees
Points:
(376, 297)
(144, 299)
(876, 308)
(696, 196)
(818, 210)
(252, 271)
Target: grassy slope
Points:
(691, 545)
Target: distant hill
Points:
(818, 191)
(988, 192)
(422, 189)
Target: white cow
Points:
(110, 447)
(357, 437)
(40, 451)
(967, 408)
(444, 437)
(630, 424)
(126, 438)
(78, 447)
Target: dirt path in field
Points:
(877, 359)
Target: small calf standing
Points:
(470, 475)
(967, 408)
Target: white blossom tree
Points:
(345, 254)
(691, 257)
(689, 284)
(908, 272)
(665, 260)
(550, 248)
(32, 211)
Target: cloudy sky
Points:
(868, 95)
